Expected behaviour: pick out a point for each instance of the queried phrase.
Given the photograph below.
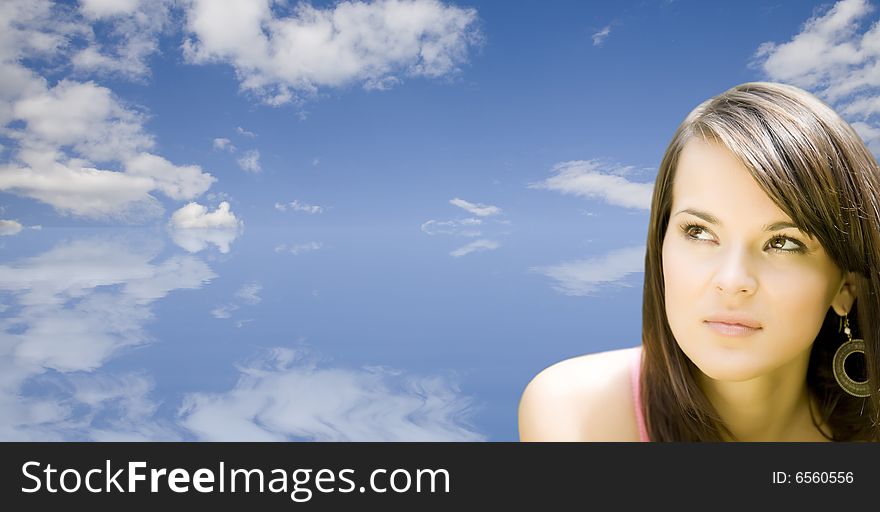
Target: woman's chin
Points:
(723, 366)
(730, 374)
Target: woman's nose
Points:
(735, 274)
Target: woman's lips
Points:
(732, 329)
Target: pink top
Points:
(635, 373)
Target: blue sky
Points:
(256, 220)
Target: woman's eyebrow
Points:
(708, 217)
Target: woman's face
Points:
(719, 258)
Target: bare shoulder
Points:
(585, 398)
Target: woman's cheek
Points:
(680, 286)
(796, 293)
(682, 269)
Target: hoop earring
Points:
(851, 346)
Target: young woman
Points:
(761, 307)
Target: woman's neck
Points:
(772, 407)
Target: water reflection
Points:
(73, 312)
(198, 239)
(286, 394)
(73, 308)
(588, 276)
(476, 246)
(84, 300)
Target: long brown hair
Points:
(816, 168)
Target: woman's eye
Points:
(781, 243)
(695, 232)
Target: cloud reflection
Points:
(72, 309)
(587, 276)
(476, 246)
(196, 240)
(285, 395)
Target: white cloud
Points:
(224, 311)
(475, 246)
(463, 227)
(250, 161)
(381, 84)
(18, 82)
(870, 134)
(244, 133)
(196, 216)
(249, 293)
(130, 32)
(279, 57)
(70, 127)
(297, 206)
(55, 31)
(83, 116)
(82, 191)
(827, 47)
(35, 29)
(480, 210)
(193, 227)
(74, 143)
(176, 182)
(833, 57)
(299, 248)
(585, 277)
(97, 9)
(224, 145)
(285, 396)
(595, 180)
(9, 227)
(600, 36)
